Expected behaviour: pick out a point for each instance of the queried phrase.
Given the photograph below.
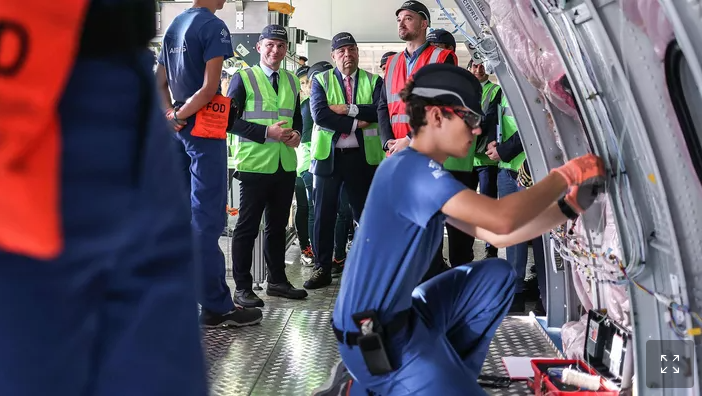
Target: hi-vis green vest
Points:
(490, 90)
(466, 163)
(265, 107)
(506, 128)
(322, 137)
(303, 157)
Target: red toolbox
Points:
(546, 386)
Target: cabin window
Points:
(687, 101)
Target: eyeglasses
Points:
(471, 118)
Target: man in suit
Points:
(346, 147)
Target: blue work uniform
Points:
(115, 314)
(195, 37)
(453, 316)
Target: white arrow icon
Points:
(677, 370)
(676, 358)
(663, 370)
(663, 358)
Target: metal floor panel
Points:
(293, 350)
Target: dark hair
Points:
(415, 107)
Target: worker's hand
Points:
(492, 152)
(577, 171)
(277, 132)
(581, 197)
(400, 144)
(176, 125)
(340, 109)
(293, 140)
(362, 124)
(390, 144)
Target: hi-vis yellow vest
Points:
(466, 163)
(506, 128)
(265, 107)
(322, 138)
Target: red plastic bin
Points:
(544, 387)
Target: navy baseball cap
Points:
(342, 40)
(384, 58)
(274, 32)
(415, 6)
(451, 85)
(318, 67)
(302, 71)
(441, 36)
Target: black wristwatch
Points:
(566, 209)
(175, 113)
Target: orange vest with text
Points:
(30, 128)
(395, 79)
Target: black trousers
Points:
(352, 172)
(258, 194)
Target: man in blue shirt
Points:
(399, 338)
(190, 64)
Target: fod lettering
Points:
(216, 107)
(12, 62)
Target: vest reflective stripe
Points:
(322, 138)
(264, 106)
(395, 79)
(507, 128)
(490, 90)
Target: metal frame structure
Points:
(621, 92)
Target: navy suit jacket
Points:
(340, 124)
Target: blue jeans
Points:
(516, 254)
(454, 318)
(127, 267)
(344, 226)
(304, 216)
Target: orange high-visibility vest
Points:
(30, 135)
(395, 80)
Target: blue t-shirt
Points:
(399, 234)
(193, 38)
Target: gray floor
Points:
(293, 349)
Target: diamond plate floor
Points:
(293, 349)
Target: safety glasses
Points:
(471, 118)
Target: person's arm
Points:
(384, 125)
(489, 125)
(297, 117)
(162, 86)
(507, 214)
(307, 122)
(369, 113)
(583, 175)
(324, 116)
(243, 128)
(217, 47)
(547, 220)
(510, 148)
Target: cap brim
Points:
(416, 12)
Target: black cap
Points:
(441, 36)
(274, 32)
(384, 58)
(342, 40)
(449, 84)
(318, 67)
(415, 6)
(302, 71)
(303, 58)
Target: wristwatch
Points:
(175, 113)
(566, 209)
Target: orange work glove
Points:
(581, 197)
(578, 170)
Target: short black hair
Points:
(415, 107)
